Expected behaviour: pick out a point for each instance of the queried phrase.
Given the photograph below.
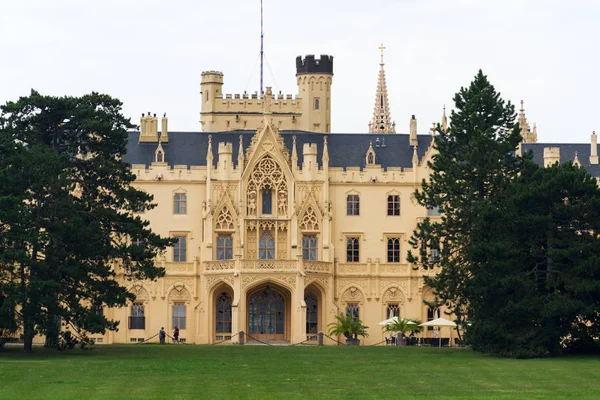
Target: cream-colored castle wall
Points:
(372, 282)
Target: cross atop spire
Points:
(382, 121)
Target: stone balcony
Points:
(221, 266)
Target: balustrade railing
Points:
(219, 265)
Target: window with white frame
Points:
(393, 204)
(180, 249)
(179, 315)
(393, 250)
(352, 204)
(137, 320)
(352, 249)
(180, 203)
(353, 310)
(309, 247)
(224, 247)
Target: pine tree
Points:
(474, 160)
(537, 290)
(68, 213)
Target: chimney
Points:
(413, 131)
(594, 149)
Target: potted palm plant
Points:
(403, 325)
(350, 327)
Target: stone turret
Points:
(551, 156)
(314, 78)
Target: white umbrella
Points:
(439, 322)
(393, 320)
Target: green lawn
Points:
(256, 372)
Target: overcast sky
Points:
(150, 54)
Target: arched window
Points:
(223, 314)
(224, 247)
(393, 205)
(371, 159)
(267, 201)
(266, 249)
(352, 204)
(311, 313)
(393, 250)
(180, 203)
(316, 104)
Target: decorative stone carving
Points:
(342, 283)
(289, 279)
(220, 265)
(248, 279)
(282, 245)
(353, 295)
(393, 295)
(267, 174)
(141, 294)
(225, 220)
(213, 280)
(179, 293)
(395, 283)
(309, 221)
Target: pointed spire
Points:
(415, 158)
(444, 121)
(576, 160)
(524, 125)
(325, 150)
(294, 154)
(241, 154)
(209, 153)
(382, 122)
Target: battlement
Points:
(256, 96)
(212, 77)
(225, 148)
(311, 65)
(309, 149)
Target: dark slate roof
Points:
(345, 149)
(567, 153)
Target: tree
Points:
(475, 158)
(404, 325)
(536, 291)
(349, 326)
(68, 213)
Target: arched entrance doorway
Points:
(268, 315)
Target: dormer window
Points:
(371, 153)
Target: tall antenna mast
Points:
(262, 53)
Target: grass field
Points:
(277, 372)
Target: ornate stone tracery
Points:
(309, 220)
(393, 295)
(225, 220)
(267, 174)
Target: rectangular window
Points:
(352, 205)
(353, 310)
(393, 207)
(393, 310)
(433, 212)
(267, 201)
(224, 247)
(352, 249)
(180, 203)
(137, 319)
(393, 250)
(309, 247)
(180, 249)
(179, 315)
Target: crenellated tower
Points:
(382, 119)
(314, 77)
